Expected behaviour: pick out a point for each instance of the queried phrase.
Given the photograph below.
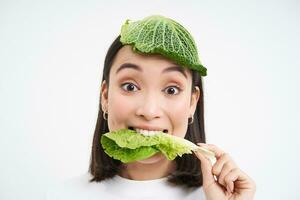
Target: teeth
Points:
(146, 132)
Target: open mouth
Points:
(147, 131)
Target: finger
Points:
(231, 177)
(241, 182)
(217, 167)
(222, 166)
(230, 187)
(206, 168)
(237, 176)
(218, 152)
(228, 166)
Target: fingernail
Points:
(228, 189)
(231, 187)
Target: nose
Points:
(149, 108)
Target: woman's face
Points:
(148, 92)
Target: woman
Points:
(152, 92)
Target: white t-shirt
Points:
(79, 188)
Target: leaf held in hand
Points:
(128, 145)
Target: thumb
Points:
(206, 168)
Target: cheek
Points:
(179, 117)
(119, 110)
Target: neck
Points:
(142, 171)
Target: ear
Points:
(194, 100)
(104, 96)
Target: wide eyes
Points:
(170, 90)
(129, 87)
(173, 90)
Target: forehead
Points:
(147, 62)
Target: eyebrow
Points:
(175, 68)
(137, 68)
(129, 66)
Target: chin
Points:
(153, 159)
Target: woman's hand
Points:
(230, 183)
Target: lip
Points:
(149, 128)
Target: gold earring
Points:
(104, 116)
(190, 122)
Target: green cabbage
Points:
(158, 34)
(128, 145)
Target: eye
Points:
(172, 90)
(129, 87)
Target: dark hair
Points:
(187, 171)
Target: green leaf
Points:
(124, 154)
(128, 145)
(158, 34)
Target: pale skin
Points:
(150, 92)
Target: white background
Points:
(51, 57)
